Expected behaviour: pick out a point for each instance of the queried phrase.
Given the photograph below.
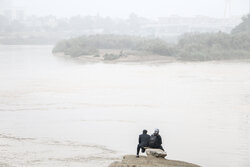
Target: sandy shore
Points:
(143, 161)
(139, 59)
(148, 59)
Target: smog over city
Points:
(122, 9)
(135, 83)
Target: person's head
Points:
(144, 131)
(156, 132)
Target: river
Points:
(58, 112)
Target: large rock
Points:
(156, 153)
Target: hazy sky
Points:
(122, 8)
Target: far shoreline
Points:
(150, 60)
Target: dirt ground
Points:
(143, 161)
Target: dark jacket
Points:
(143, 140)
(158, 141)
(155, 141)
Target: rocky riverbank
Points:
(143, 161)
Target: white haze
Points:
(122, 8)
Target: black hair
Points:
(145, 131)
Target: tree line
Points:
(191, 46)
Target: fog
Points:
(122, 9)
(81, 79)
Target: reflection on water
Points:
(56, 112)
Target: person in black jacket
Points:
(155, 140)
(143, 142)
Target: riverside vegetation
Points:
(191, 47)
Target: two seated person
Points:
(153, 141)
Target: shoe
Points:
(137, 156)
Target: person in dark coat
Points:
(155, 140)
(143, 142)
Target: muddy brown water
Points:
(57, 112)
